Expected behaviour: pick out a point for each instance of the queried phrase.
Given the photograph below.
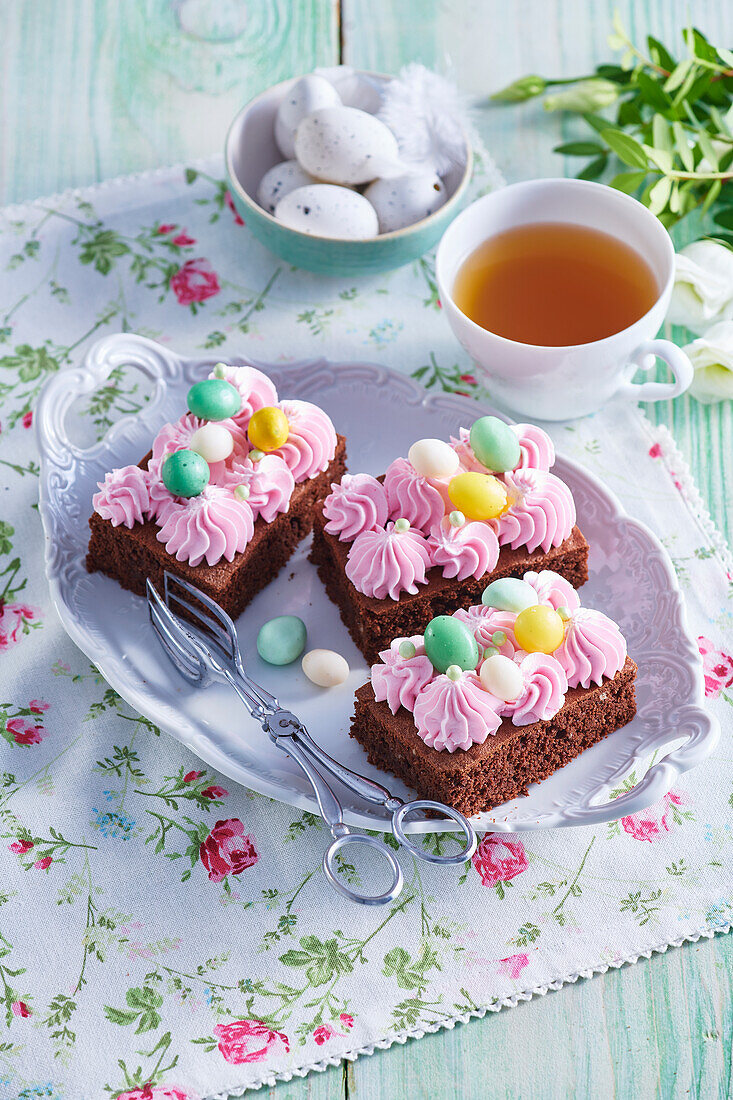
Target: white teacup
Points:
(560, 383)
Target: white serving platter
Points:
(381, 413)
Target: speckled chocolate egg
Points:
(405, 200)
(325, 210)
(308, 94)
(279, 182)
(346, 145)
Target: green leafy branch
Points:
(673, 127)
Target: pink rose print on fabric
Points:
(23, 732)
(43, 864)
(499, 857)
(194, 282)
(322, 1033)
(512, 966)
(37, 706)
(214, 792)
(163, 229)
(27, 419)
(347, 1021)
(182, 240)
(238, 220)
(249, 1041)
(191, 777)
(227, 850)
(717, 667)
(655, 451)
(13, 619)
(157, 1092)
(20, 1008)
(651, 824)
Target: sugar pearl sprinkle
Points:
(402, 524)
(406, 649)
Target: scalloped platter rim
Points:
(110, 625)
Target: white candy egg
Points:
(213, 442)
(326, 210)
(355, 89)
(325, 667)
(280, 181)
(433, 458)
(502, 677)
(346, 145)
(308, 94)
(405, 200)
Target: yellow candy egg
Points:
(539, 629)
(268, 428)
(478, 496)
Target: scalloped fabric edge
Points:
(449, 1022)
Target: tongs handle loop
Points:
(445, 811)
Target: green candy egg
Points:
(185, 474)
(281, 640)
(448, 642)
(214, 399)
(509, 594)
(494, 444)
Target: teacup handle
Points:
(645, 357)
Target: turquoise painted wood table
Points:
(91, 90)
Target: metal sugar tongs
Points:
(205, 648)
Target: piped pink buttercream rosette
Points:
(543, 694)
(177, 436)
(455, 714)
(541, 511)
(311, 442)
(210, 526)
(270, 485)
(254, 387)
(358, 503)
(593, 647)
(124, 497)
(412, 497)
(386, 562)
(400, 679)
(471, 550)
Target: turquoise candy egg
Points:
(185, 474)
(214, 399)
(448, 642)
(281, 640)
(494, 444)
(509, 594)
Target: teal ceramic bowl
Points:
(250, 151)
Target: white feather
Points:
(428, 116)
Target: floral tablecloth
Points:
(166, 934)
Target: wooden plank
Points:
(93, 90)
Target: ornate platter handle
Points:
(120, 350)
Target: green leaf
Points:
(579, 148)
(705, 146)
(724, 218)
(726, 56)
(712, 195)
(660, 157)
(682, 145)
(190, 175)
(119, 1015)
(628, 182)
(662, 134)
(659, 54)
(625, 147)
(653, 92)
(659, 195)
(678, 75)
(593, 169)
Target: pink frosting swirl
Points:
(541, 512)
(177, 437)
(470, 550)
(455, 714)
(399, 679)
(357, 504)
(537, 450)
(255, 389)
(483, 622)
(212, 525)
(553, 589)
(412, 497)
(123, 497)
(385, 562)
(593, 647)
(269, 481)
(311, 442)
(543, 693)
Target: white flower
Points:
(703, 286)
(712, 360)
